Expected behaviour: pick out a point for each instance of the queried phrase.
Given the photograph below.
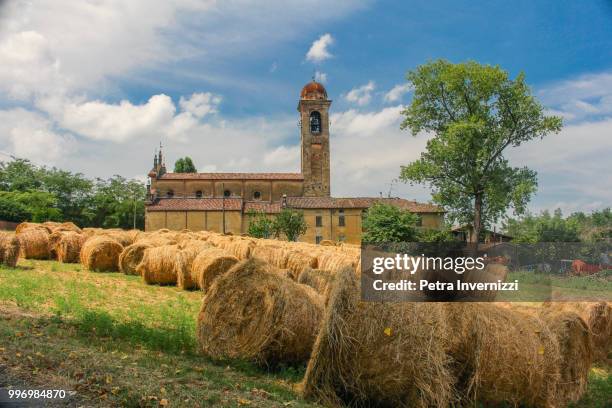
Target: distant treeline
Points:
(34, 193)
(547, 227)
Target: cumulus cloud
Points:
(395, 94)
(200, 104)
(318, 51)
(361, 95)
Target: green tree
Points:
(117, 202)
(73, 192)
(20, 175)
(474, 113)
(184, 165)
(385, 223)
(260, 226)
(290, 223)
(12, 210)
(41, 206)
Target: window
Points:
(198, 194)
(341, 238)
(315, 122)
(318, 239)
(319, 221)
(257, 195)
(227, 193)
(341, 220)
(170, 194)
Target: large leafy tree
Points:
(474, 113)
(184, 165)
(260, 225)
(384, 223)
(118, 203)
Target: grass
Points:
(117, 341)
(539, 286)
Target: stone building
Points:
(221, 201)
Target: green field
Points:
(118, 342)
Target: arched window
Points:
(315, 122)
(170, 194)
(227, 193)
(199, 194)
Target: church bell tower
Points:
(314, 120)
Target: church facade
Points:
(222, 202)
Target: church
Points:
(221, 202)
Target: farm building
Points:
(221, 202)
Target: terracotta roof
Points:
(361, 202)
(196, 204)
(263, 206)
(232, 176)
(313, 90)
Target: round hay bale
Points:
(576, 347)
(253, 313)
(90, 232)
(157, 265)
(51, 225)
(101, 254)
(379, 353)
(327, 242)
(317, 279)
(54, 239)
(184, 261)
(66, 226)
(209, 265)
(68, 248)
(28, 225)
(502, 356)
(297, 262)
(272, 254)
(34, 243)
(125, 238)
(131, 256)
(491, 273)
(241, 248)
(598, 317)
(335, 261)
(9, 249)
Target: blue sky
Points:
(94, 86)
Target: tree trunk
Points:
(477, 224)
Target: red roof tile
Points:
(262, 206)
(232, 176)
(361, 202)
(196, 204)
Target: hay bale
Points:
(28, 225)
(240, 248)
(131, 256)
(101, 254)
(253, 313)
(184, 261)
(65, 226)
(9, 249)
(317, 279)
(335, 261)
(297, 262)
(598, 317)
(491, 273)
(125, 238)
(502, 356)
(576, 348)
(327, 242)
(34, 243)
(378, 353)
(209, 265)
(157, 265)
(272, 254)
(68, 248)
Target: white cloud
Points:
(283, 158)
(396, 93)
(361, 95)
(320, 77)
(29, 135)
(587, 97)
(200, 104)
(318, 51)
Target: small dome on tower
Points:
(313, 90)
